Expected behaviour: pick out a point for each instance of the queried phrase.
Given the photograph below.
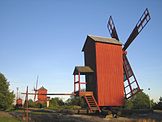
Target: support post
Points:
(79, 80)
(26, 109)
(74, 83)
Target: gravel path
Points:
(61, 117)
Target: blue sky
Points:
(45, 38)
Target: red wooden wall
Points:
(109, 72)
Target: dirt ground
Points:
(6, 117)
(4, 114)
(155, 116)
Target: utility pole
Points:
(149, 98)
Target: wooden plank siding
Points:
(109, 72)
(42, 98)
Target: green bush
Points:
(40, 105)
(138, 101)
(77, 101)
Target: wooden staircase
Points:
(91, 102)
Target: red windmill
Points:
(105, 63)
(38, 93)
(18, 100)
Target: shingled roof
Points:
(83, 70)
(102, 40)
(42, 88)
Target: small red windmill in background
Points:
(40, 94)
(18, 99)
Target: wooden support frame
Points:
(78, 83)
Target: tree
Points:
(128, 104)
(139, 101)
(160, 99)
(78, 101)
(56, 103)
(158, 106)
(31, 103)
(6, 97)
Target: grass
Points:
(39, 113)
(72, 107)
(6, 117)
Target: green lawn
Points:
(6, 117)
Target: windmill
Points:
(131, 86)
(18, 99)
(35, 89)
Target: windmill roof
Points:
(102, 40)
(42, 88)
(83, 70)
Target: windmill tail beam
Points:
(51, 94)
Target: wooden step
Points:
(94, 108)
(85, 93)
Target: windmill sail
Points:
(138, 28)
(36, 89)
(112, 29)
(131, 86)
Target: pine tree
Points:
(6, 97)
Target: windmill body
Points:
(42, 97)
(104, 57)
